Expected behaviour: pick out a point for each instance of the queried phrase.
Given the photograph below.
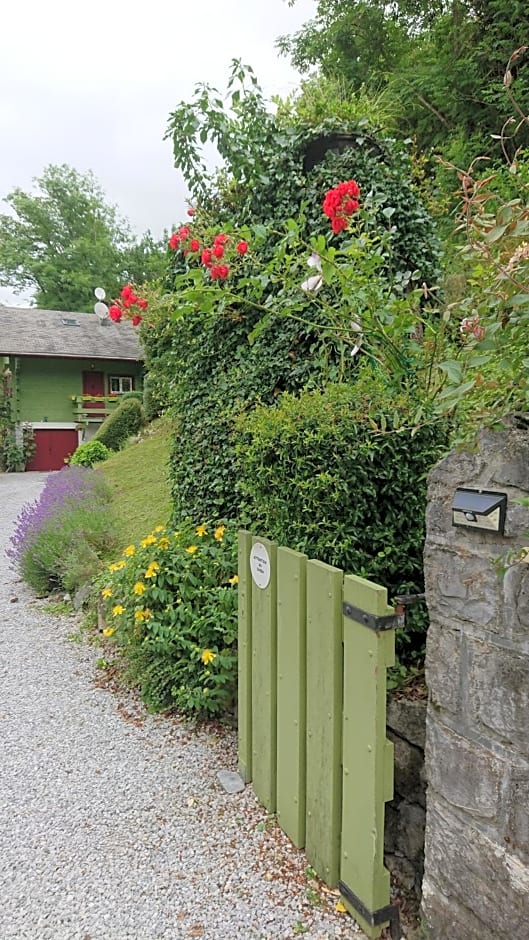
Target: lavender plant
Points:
(59, 539)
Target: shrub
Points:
(126, 395)
(332, 475)
(59, 539)
(127, 419)
(90, 453)
(171, 604)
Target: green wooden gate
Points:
(314, 646)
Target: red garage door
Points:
(52, 446)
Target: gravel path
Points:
(113, 825)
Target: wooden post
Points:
(367, 757)
(244, 693)
(324, 719)
(264, 681)
(291, 693)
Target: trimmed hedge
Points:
(329, 474)
(127, 419)
(90, 453)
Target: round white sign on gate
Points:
(260, 565)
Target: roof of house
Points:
(32, 332)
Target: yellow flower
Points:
(152, 569)
(139, 587)
(207, 656)
(160, 528)
(192, 549)
(106, 592)
(117, 610)
(108, 631)
(141, 615)
(234, 579)
(117, 566)
(219, 532)
(201, 530)
(129, 551)
(163, 543)
(150, 540)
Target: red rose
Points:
(133, 299)
(214, 271)
(218, 250)
(223, 271)
(242, 248)
(195, 245)
(220, 239)
(174, 241)
(115, 313)
(136, 320)
(126, 291)
(205, 257)
(143, 303)
(184, 231)
(191, 212)
(338, 224)
(350, 206)
(126, 303)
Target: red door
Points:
(52, 446)
(93, 384)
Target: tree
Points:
(64, 240)
(441, 62)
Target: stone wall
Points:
(476, 882)
(406, 813)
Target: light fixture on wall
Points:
(479, 509)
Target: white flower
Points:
(357, 329)
(314, 261)
(312, 283)
(315, 281)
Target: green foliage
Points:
(125, 421)
(15, 451)
(286, 165)
(171, 604)
(90, 453)
(486, 369)
(219, 348)
(339, 474)
(440, 64)
(64, 240)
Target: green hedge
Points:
(90, 453)
(332, 475)
(127, 419)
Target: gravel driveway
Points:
(113, 825)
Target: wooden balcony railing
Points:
(93, 409)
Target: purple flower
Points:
(68, 487)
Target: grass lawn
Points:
(138, 477)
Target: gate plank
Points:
(291, 693)
(367, 754)
(244, 694)
(324, 719)
(264, 684)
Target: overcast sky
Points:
(92, 85)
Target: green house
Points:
(64, 373)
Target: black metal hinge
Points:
(389, 914)
(387, 622)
